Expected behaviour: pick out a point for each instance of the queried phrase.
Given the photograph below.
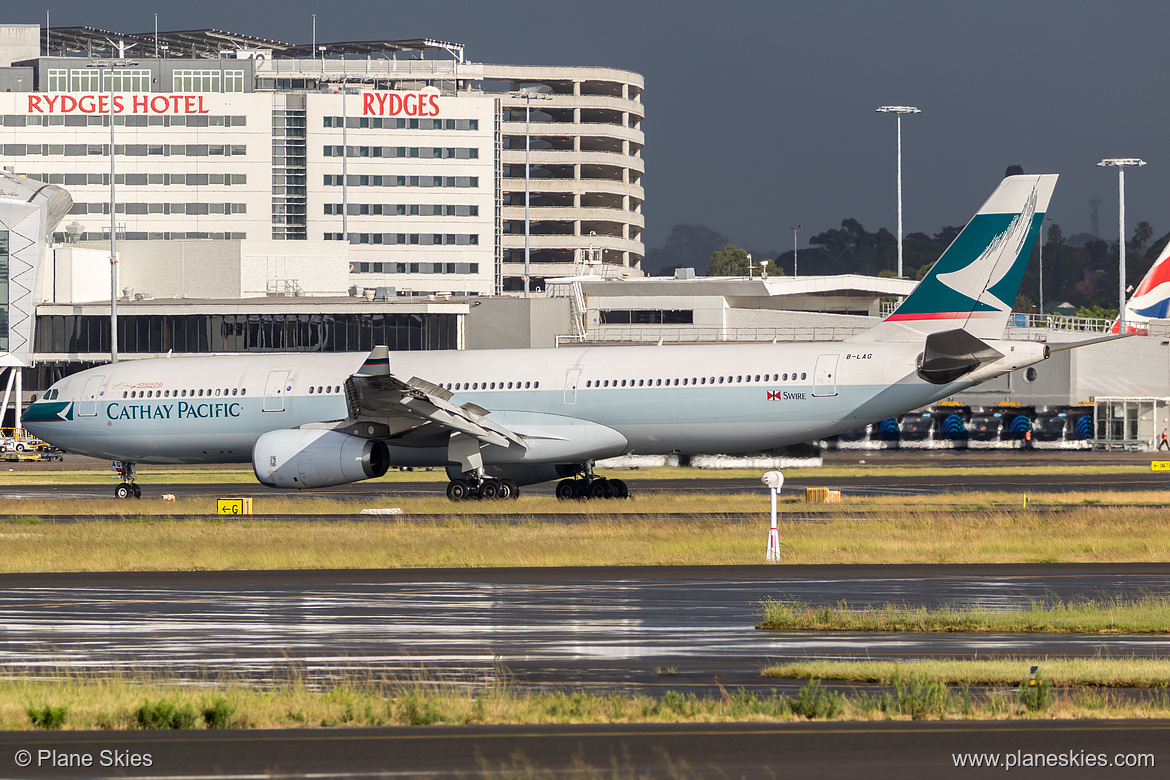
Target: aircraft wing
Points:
(415, 410)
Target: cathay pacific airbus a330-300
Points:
(497, 419)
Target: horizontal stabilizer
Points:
(1101, 340)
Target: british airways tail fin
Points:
(974, 284)
(1151, 299)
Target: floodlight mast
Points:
(538, 92)
(795, 267)
(1121, 163)
(898, 111)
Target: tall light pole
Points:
(540, 92)
(344, 162)
(898, 111)
(102, 66)
(1044, 222)
(795, 230)
(113, 231)
(1121, 163)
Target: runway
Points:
(643, 629)
(606, 628)
(956, 465)
(764, 751)
(154, 486)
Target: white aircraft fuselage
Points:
(725, 398)
(500, 418)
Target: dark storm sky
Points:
(760, 115)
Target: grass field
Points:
(143, 703)
(431, 532)
(669, 529)
(1059, 672)
(1149, 615)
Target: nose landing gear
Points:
(128, 487)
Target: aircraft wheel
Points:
(137, 491)
(566, 489)
(489, 489)
(457, 489)
(508, 489)
(122, 491)
(597, 488)
(620, 489)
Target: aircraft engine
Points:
(303, 459)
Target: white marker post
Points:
(775, 481)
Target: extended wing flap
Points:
(406, 406)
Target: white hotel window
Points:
(208, 81)
(127, 81)
(89, 79)
(58, 80)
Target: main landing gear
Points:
(128, 487)
(598, 487)
(589, 485)
(475, 486)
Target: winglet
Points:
(377, 364)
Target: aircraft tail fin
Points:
(975, 282)
(1151, 299)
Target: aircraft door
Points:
(825, 375)
(274, 390)
(87, 406)
(571, 380)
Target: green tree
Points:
(1142, 235)
(728, 261)
(1055, 235)
(1013, 170)
(1097, 312)
(771, 267)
